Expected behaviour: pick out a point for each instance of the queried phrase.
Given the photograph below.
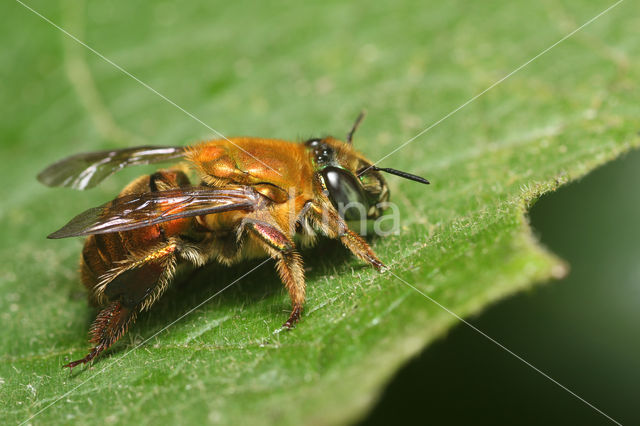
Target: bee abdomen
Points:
(100, 254)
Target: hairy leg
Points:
(329, 221)
(130, 287)
(288, 262)
(359, 247)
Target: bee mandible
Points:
(254, 196)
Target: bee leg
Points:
(129, 288)
(288, 263)
(110, 324)
(328, 219)
(359, 247)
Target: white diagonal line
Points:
(69, 392)
(391, 153)
(501, 346)
(109, 61)
(494, 84)
(477, 330)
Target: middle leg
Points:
(288, 262)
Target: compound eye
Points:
(346, 193)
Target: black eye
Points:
(345, 192)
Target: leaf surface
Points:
(294, 70)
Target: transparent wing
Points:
(141, 210)
(86, 170)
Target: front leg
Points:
(329, 221)
(288, 262)
(359, 247)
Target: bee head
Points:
(353, 184)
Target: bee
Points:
(253, 198)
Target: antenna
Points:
(356, 125)
(401, 174)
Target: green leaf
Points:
(292, 70)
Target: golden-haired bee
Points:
(253, 197)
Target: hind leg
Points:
(130, 288)
(110, 324)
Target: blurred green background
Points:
(584, 330)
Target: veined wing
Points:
(82, 171)
(141, 210)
